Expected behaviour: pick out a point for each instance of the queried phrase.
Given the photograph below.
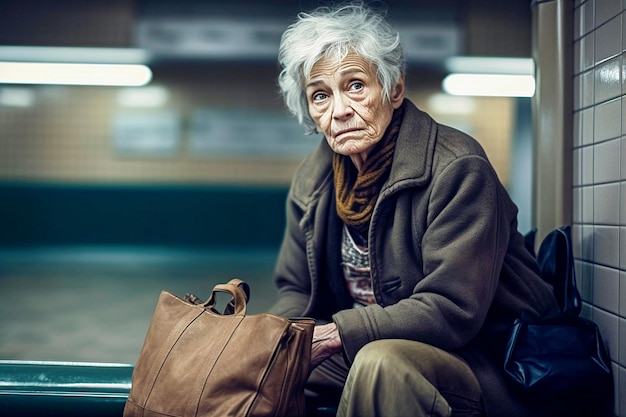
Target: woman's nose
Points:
(342, 108)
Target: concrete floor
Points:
(95, 304)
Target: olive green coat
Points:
(448, 264)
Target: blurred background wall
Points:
(208, 139)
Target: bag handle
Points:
(556, 262)
(238, 289)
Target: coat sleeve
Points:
(462, 251)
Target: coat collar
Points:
(415, 146)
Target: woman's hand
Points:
(326, 342)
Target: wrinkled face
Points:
(346, 102)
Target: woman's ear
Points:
(397, 95)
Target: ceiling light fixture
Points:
(143, 97)
(490, 76)
(74, 66)
(16, 97)
(494, 85)
(56, 73)
(447, 104)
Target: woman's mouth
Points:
(344, 131)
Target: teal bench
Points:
(64, 389)
(71, 389)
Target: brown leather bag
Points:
(196, 361)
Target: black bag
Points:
(561, 362)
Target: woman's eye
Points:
(356, 85)
(319, 96)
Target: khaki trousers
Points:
(398, 378)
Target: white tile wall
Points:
(623, 166)
(587, 116)
(587, 89)
(606, 289)
(606, 10)
(606, 157)
(622, 262)
(621, 381)
(607, 113)
(622, 313)
(606, 245)
(607, 79)
(606, 204)
(587, 168)
(608, 39)
(599, 170)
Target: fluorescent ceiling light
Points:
(447, 104)
(74, 74)
(74, 54)
(497, 85)
(150, 96)
(490, 65)
(16, 97)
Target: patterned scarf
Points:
(356, 192)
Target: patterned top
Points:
(356, 269)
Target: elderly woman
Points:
(400, 239)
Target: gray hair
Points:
(332, 34)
